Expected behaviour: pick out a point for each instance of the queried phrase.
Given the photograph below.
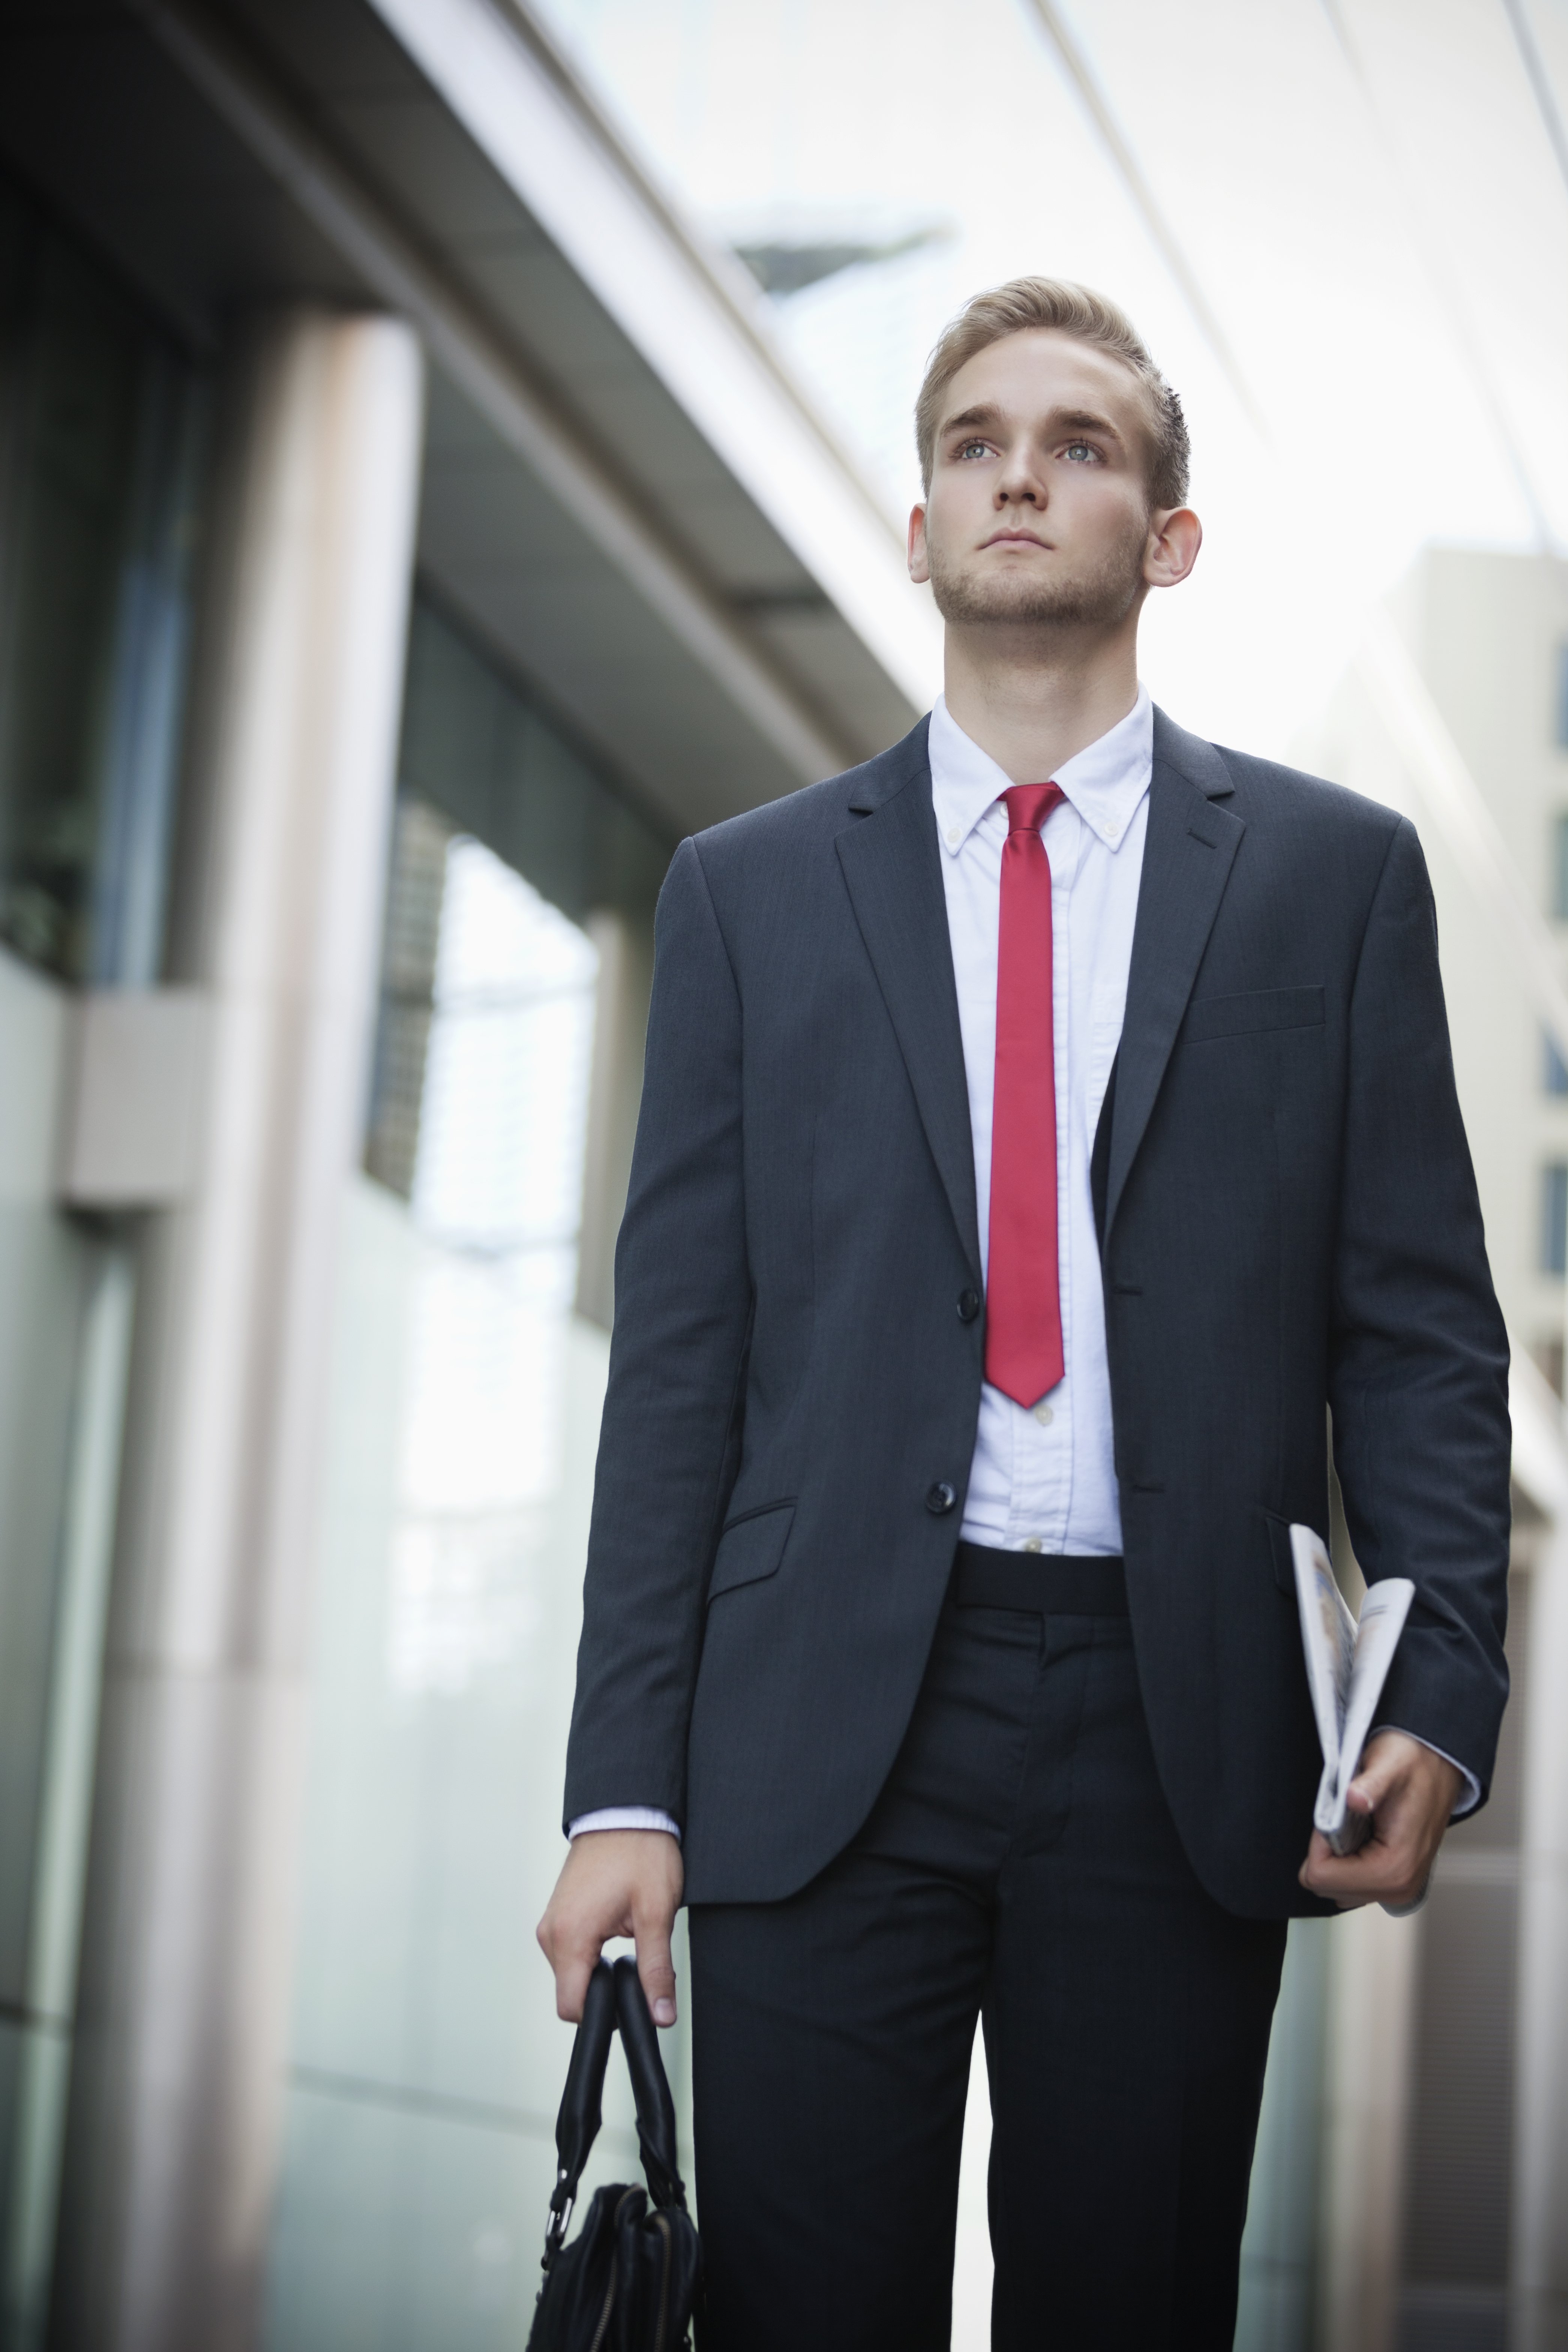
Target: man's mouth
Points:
(1015, 539)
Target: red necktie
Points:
(1023, 1299)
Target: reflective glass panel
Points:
(427, 2060)
(101, 441)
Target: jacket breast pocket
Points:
(1258, 1009)
(751, 1548)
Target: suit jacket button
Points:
(968, 1305)
(939, 1499)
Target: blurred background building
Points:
(447, 453)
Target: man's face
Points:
(1038, 511)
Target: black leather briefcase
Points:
(628, 2281)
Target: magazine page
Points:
(1328, 1639)
(1383, 1616)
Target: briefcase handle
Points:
(614, 1997)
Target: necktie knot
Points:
(1028, 805)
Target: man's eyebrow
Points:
(969, 419)
(1082, 420)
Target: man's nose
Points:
(1020, 485)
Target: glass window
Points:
(1554, 1068)
(101, 432)
(479, 745)
(428, 2063)
(1560, 700)
(1554, 1218)
(497, 1192)
(480, 761)
(1560, 869)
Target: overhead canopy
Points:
(626, 496)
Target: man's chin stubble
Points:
(1101, 602)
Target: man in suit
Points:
(1042, 1125)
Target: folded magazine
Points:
(1347, 1665)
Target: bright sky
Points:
(1366, 191)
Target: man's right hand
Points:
(615, 1883)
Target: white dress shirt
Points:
(1042, 1477)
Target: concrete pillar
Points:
(177, 2080)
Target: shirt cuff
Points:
(624, 1817)
(1469, 1795)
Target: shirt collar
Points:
(1105, 781)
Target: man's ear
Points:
(920, 562)
(1175, 538)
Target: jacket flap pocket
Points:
(1260, 1008)
(751, 1548)
(1284, 1560)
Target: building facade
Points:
(406, 535)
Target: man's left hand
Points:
(1410, 1791)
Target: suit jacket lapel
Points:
(890, 859)
(1188, 852)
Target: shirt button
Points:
(968, 1305)
(1035, 1543)
(1044, 1415)
(954, 836)
(1113, 827)
(939, 1499)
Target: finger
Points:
(572, 1970)
(1317, 1852)
(1375, 1874)
(1349, 1893)
(570, 1953)
(656, 1968)
(1349, 1880)
(1375, 1784)
(1383, 1772)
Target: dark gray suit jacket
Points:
(1288, 1219)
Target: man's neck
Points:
(1033, 705)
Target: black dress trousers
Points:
(1021, 1863)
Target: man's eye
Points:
(973, 450)
(1081, 452)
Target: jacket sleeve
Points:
(669, 1437)
(1418, 1354)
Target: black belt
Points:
(1049, 1584)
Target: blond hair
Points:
(1054, 302)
